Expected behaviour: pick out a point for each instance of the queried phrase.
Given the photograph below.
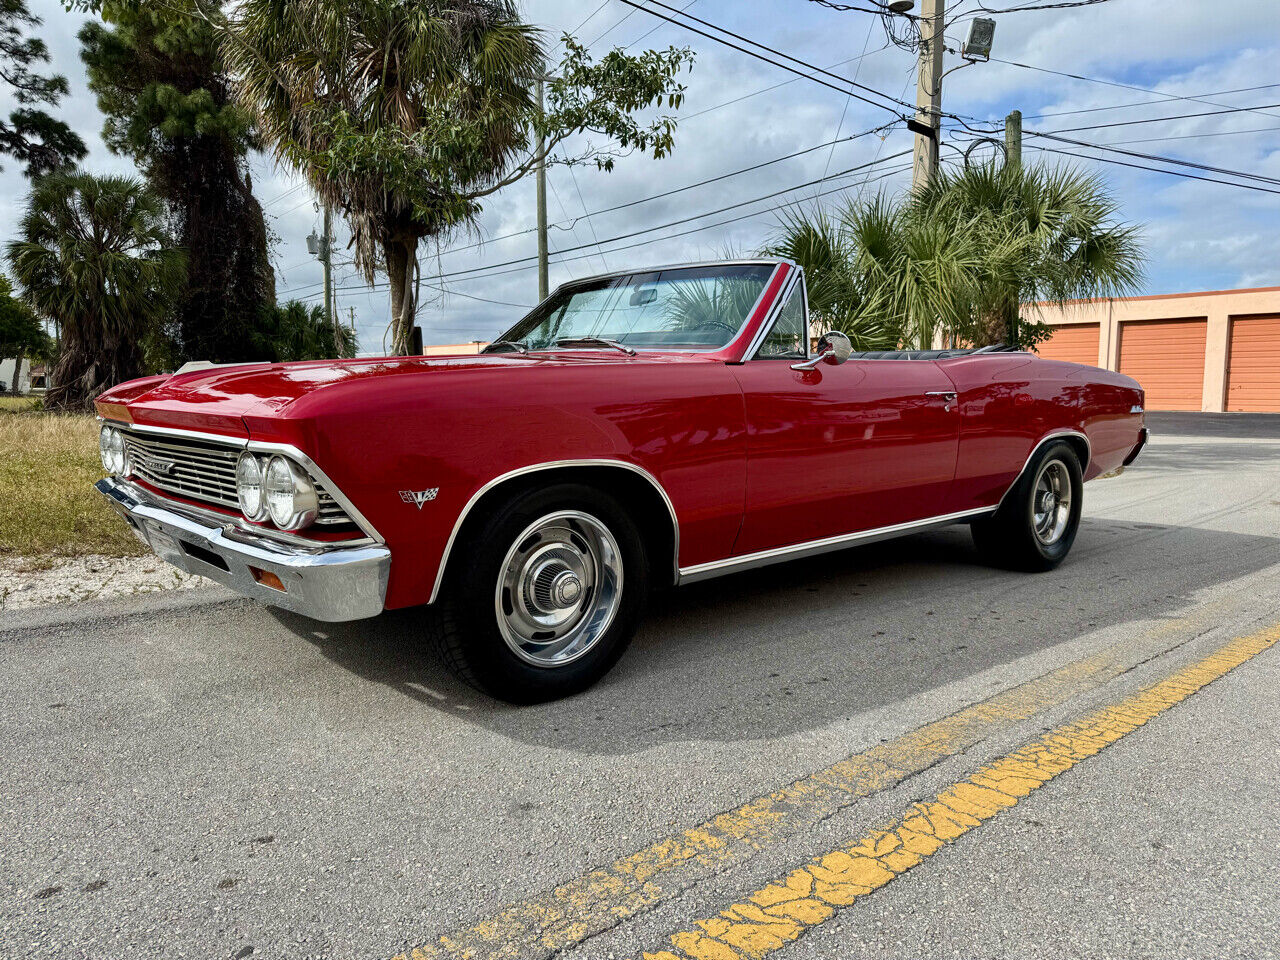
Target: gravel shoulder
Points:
(26, 583)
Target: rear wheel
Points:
(1037, 523)
(543, 597)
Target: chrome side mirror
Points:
(834, 348)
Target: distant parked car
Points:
(636, 430)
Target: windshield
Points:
(686, 308)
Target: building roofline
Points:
(1157, 296)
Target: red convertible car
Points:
(635, 431)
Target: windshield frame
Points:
(745, 332)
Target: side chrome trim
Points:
(704, 571)
(1057, 434)
(554, 465)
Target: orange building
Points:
(1214, 351)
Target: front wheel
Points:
(1037, 522)
(544, 595)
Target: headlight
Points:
(249, 491)
(291, 496)
(104, 448)
(115, 459)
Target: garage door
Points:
(1253, 365)
(1167, 358)
(1076, 342)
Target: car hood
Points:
(221, 399)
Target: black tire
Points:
(466, 627)
(1010, 537)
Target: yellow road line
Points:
(809, 896)
(600, 899)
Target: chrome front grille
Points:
(204, 471)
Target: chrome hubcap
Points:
(559, 588)
(1051, 502)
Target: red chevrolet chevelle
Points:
(635, 431)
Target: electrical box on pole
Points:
(977, 45)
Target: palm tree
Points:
(1047, 233)
(406, 114)
(91, 257)
(346, 89)
(294, 331)
(877, 274)
(959, 256)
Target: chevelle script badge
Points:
(165, 468)
(419, 497)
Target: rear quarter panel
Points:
(1011, 402)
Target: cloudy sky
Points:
(1132, 60)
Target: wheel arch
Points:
(1076, 439)
(633, 486)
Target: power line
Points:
(845, 112)
(627, 16)
(892, 171)
(735, 173)
(1130, 86)
(1196, 136)
(848, 8)
(569, 224)
(683, 220)
(1164, 98)
(1179, 116)
(590, 16)
(1035, 6)
(655, 28)
(889, 172)
(759, 56)
(558, 254)
(276, 199)
(747, 96)
(1153, 156)
(591, 225)
(1139, 166)
(470, 296)
(785, 56)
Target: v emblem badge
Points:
(419, 497)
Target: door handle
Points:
(948, 395)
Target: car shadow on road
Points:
(800, 645)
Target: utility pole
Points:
(543, 275)
(1013, 139)
(326, 258)
(928, 91)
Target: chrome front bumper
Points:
(325, 582)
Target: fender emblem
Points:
(419, 497)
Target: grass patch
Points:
(48, 507)
(13, 404)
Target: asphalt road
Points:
(202, 777)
